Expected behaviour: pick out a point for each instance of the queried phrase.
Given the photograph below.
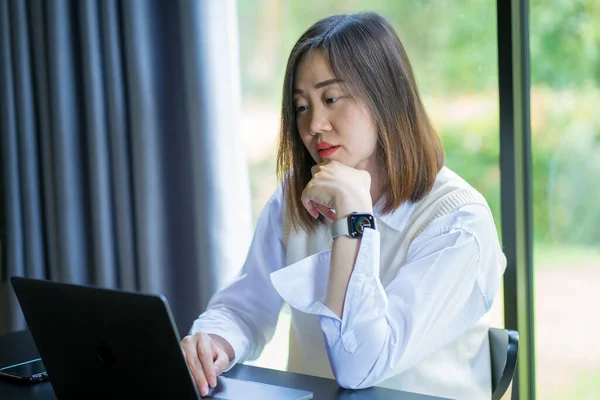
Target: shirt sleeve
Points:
(448, 282)
(245, 312)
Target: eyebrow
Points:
(320, 85)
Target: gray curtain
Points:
(120, 162)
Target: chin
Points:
(338, 160)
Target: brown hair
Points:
(366, 54)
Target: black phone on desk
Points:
(30, 371)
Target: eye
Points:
(331, 100)
(301, 109)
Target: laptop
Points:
(107, 343)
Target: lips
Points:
(324, 145)
(325, 149)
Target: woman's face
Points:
(332, 126)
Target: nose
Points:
(319, 121)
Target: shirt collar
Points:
(398, 218)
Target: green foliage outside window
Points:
(453, 49)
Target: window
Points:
(565, 126)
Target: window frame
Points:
(515, 185)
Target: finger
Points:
(206, 359)
(221, 361)
(191, 356)
(307, 203)
(325, 211)
(319, 166)
(312, 210)
(363, 165)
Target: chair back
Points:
(504, 346)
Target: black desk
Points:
(19, 346)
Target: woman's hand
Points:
(339, 187)
(206, 358)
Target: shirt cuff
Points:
(213, 324)
(303, 285)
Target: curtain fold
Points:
(142, 65)
(119, 146)
(67, 119)
(121, 164)
(13, 208)
(36, 26)
(213, 100)
(27, 144)
(100, 189)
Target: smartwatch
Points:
(353, 225)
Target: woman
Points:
(389, 260)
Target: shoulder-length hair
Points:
(367, 56)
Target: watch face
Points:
(359, 222)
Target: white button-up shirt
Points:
(403, 325)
